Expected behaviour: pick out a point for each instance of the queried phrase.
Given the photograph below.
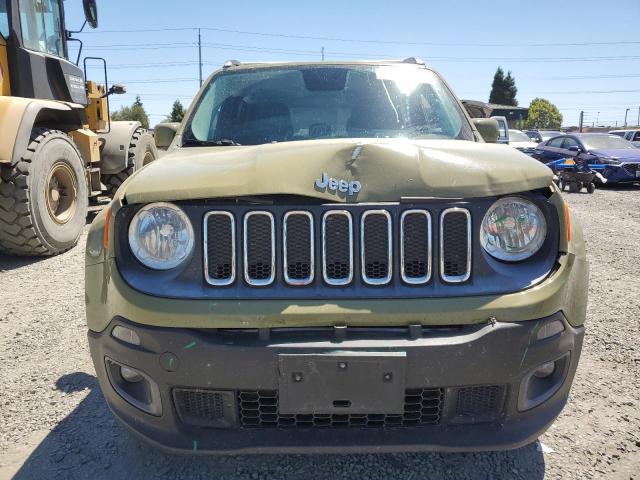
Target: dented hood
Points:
(387, 169)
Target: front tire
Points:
(142, 151)
(43, 198)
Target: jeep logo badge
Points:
(333, 185)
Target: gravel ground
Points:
(56, 425)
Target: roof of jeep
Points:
(236, 65)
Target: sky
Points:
(579, 54)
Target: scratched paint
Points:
(190, 345)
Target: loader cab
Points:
(37, 52)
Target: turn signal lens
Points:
(550, 329)
(125, 334)
(513, 229)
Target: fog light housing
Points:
(542, 382)
(545, 370)
(134, 386)
(130, 375)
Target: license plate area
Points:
(342, 383)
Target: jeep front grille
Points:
(298, 244)
(375, 247)
(415, 246)
(220, 248)
(259, 248)
(337, 247)
(455, 245)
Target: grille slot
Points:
(337, 247)
(259, 248)
(376, 244)
(220, 248)
(415, 246)
(455, 245)
(259, 409)
(298, 244)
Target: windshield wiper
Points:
(223, 142)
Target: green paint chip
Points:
(190, 345)
(195, 445)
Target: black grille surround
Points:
(422, 277)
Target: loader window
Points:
(4, 19)
(42, 26)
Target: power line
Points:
(252, 48)
(362, 40)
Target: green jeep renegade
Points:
(330, 257)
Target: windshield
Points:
(518, 136)
(606, 142)
(266, 105)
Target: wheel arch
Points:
(19, 116)
(114, 154)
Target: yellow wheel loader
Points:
(59, 150)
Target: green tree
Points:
(135, 112)
(503, 89)
(543, 114)
(177, 112)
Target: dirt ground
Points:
(55, 424)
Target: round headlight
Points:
(161, 236)
(513, 229)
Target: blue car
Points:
(615, 158)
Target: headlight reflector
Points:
(161, 236)
(513, 229)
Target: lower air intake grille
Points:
(455, 245)
(422, 406)
(480, 403)
(203, 408)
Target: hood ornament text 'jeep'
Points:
(325, 182)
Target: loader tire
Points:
(142, 150)
(43, 197)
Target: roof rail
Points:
(413, 60)
(231, 63)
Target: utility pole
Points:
(638, 117)
(200, 55)
(597, 119)
(322, 53)
(625, 116)
(581, 119)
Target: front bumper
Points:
(472, 375)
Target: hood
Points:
(387, 169)
(622, 154)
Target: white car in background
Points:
(633, 135)
(521, 141)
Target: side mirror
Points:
(574, 149)
(165, 133)
(91, 12)
(488, 128)
(117, 89)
